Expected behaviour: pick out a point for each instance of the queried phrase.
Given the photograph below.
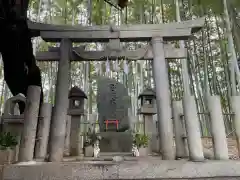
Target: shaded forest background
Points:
(211, 66)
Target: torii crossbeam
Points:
(127, 33)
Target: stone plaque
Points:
(112, 103)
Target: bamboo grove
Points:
(211, 66)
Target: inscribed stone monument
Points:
(112, 103)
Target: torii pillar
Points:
(163, 96)
(164, 112)
(59, 115)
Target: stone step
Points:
(213, 178)
(107, 154)
(106, 157)
(143, 168)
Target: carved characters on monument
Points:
(112, 103)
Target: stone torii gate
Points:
(156, 33)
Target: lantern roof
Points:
(77, 92)
(147, 92)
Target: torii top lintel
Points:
(142, 32)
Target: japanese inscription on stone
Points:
(112, 102)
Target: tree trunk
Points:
(231, 49)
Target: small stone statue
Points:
(135, 151)
(96, 149)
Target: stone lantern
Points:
(76, 101)
(12, 120)
(148, 101)
(148, 109)
(76, 111)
